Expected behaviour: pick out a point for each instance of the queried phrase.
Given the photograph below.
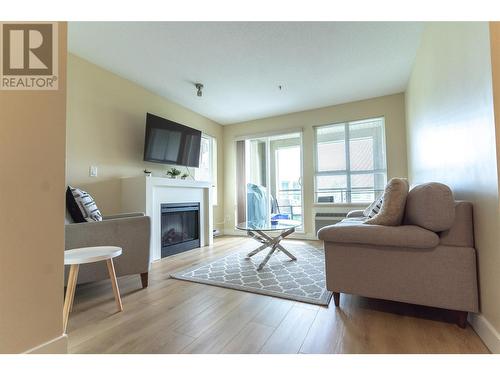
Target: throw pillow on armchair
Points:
(81, 206)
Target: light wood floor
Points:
(173, 316)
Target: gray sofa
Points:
(130, 231)
(429, 260)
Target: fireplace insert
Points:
(180, 227)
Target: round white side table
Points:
(74, 258)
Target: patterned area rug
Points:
(301, 280)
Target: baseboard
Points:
(486, 332)
(58, 345)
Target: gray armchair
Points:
(130, 231)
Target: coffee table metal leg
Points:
(289, 254)
(258, 250)
(257, 237)
(263, 238)
(281, 248)
(272, 242)
(266, 259)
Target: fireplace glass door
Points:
(180, 227)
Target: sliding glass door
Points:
(286, 176)
(273, 178)
(258, 204)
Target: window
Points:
(350, 161)
(208, 164)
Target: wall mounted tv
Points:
(168, 142)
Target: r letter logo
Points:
(29, 56)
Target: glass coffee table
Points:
(260, 231)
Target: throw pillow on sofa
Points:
(393, 203)
(373, 208)
(81, 206)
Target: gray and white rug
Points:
(301, 280)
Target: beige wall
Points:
(451, 135)
(32, 149)
(392, 107)
(106, 123)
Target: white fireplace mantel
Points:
(147, 194)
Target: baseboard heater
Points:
(322, 219)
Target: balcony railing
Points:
(343, 195)
(290, 203)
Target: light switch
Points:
(93, 171)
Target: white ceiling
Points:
(241, 64)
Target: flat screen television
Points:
(168, 142)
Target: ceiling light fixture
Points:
(199, 87)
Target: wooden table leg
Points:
(114, 283)
(70, 294)
(76, 268)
